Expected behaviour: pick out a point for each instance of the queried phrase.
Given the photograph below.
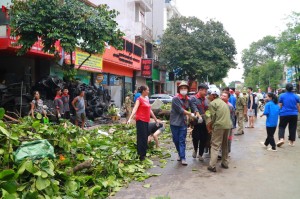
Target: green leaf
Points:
(42, 183)
(7, 174)
(1, 151)
(10, 186)
(71, 185)
(93, 190)
(2, 112)
(39, 117)
(147, 186)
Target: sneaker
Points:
(280, 143)
(291, 143)
(238, 133)
(194, 154)
(212, 169)
(263, 144)
(270, 149)
(201, 158)
(184, 163)
(224, 166)
(219, 157)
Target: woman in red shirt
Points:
(142, 109)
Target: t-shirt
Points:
(272, 112)
(152, 127)
(289, 102)
(143, 111)
(65, 99)
(59, 105)
(38, 105)
(136, 96)
(232, 100)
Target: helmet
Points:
(214, 91)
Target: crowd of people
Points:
(62, 106)
(213, 114)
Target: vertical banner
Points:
(146, 68)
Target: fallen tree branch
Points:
(11, 118)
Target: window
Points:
(137, 51)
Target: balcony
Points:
(146, 4)
(143, 31)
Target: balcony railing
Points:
(143, 31)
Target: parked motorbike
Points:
(262, 104)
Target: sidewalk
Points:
(254, 173)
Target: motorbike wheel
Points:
(262, 107)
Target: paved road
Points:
(254, 173)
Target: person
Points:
(66, 101)
(199, 132)
(127, 105)
(241, 111)
(59, 105)
(79, 105)
(259, 95)
(289, 104)
(272, 113)
(298, 125)
(178, 119)
(154, 129)
(225, 97)
(251, 111)
(142, 110)
(137, 94)
(37, 105)
(245, 97)
(220, 125)
(255, 104)
(232, 101)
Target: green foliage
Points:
(194, 49)
(71, 22)
(115, 161)
(259, 53)
(268, 74)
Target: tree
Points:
(259, 53)
(289, 45)
(71, 22)
(197, 50)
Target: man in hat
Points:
(220, 125)
(178, 119)
(241, 111)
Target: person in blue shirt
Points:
(272, 113)
(136, 95)
(289, 104)
(232, 101)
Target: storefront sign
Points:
(146, 68)
(93, 64)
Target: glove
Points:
(200, 120)
(59, 115)
(192, 115)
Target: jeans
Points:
(290, 120)
(179, 137)
(270, 139)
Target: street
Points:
(253, 172)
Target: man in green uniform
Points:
(241, 111)
(245, 96)
(220, 126)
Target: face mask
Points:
(183, 92)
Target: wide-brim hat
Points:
(183, 83)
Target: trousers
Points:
(290, 120)
(219, 140)
(179, 137)
(200, 137)
(142, 138)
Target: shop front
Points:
(120, 67)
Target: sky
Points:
(246, 21)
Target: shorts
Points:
(251, 114)
(80, 116)
(152, 128)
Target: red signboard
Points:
(146, 67)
